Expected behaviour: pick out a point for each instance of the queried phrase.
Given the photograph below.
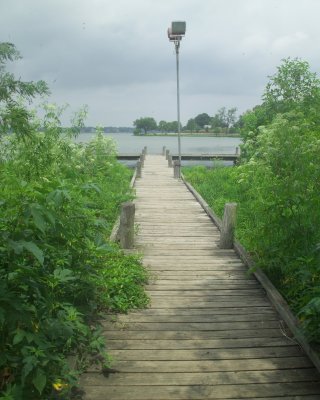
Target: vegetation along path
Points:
(211, 332)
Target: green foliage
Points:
(202, 119)
(146, 124)
(57, 266)
(58, 203)
(168, 126)
(121, 287)
(224, 118)
(191, 125)
(293, 88)
(277, 188)
(13, 115)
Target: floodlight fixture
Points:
(176, 31)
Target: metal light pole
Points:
(175, 34)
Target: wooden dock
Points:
(211, 332)
(189, 157)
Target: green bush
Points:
(59, 202)
(277, 188)
(278, 196)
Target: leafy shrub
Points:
(277, 188)
(278, 220)
(58, 203)
(57, 266)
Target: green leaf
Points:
(58, 197)
(34, 249)
(19, 336)
(39, 380)
(17, 247)
(92, 186)
(64, 275)
(37, 216)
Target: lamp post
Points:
(175, 34)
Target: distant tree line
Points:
(107, 129)
(223, 121)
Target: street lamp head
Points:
(177, 30)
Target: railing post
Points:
(145, 150)
(138, 169)
(164, 150)
(228, 226)
(142, 160)
(176, 169)
(126, 230)
(170, 161)
(167, 153)
(237, 150)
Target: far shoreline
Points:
(222, 135)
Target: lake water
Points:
(127, 143)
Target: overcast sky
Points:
(114, 55)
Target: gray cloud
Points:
(115, 57)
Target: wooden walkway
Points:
(210, 333)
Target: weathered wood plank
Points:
(215, 267)
(255, 364)
(198, 392)
(206, 311)
(183, 302)
(189, 326)
(206, 354)
(134, 317)
(227, 287)
(193, 335)
(201, 378)
(202, 293)
(200, 282)
(220, 343)
(211, 276)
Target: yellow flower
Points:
(58, 385)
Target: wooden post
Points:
(145, 150)
(170, 161)
(142, 160)
(228, 226)
(138, 169)
(167, 153)
(237, 150)
(164, 150)
(176, 169)
(126, 230)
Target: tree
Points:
(221, 117)
(294, 86)
(191, 125)
(163, 126)
(14, 116)
(224, 118)
(230, 118)
(146, 124)
(172, 126)
(202, 119)
(293, 89)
